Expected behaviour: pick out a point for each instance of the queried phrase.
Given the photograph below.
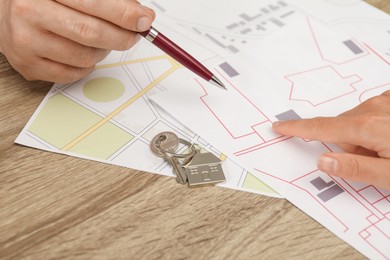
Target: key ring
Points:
(190, 154)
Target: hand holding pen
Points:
(62, 40)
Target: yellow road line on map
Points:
(175, 66)
(117, 64)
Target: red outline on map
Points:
(356, 195)
(320, 103)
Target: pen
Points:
(177, 53)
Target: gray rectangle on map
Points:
(215, 40)
(233, 49)
(353, 47)
(281, 3)
(250, 18)
(273, 7)
(320, 184)
(330, 193)
(232, 26)
(259, 27)
(277, 22)
(196, 30)
(246, 30)
(229, 70)
(288, 115)
(286, 14)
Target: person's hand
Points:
(363, 133)
(61, 41)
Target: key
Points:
(181, 176)
(166, 141)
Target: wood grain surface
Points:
(59, 207)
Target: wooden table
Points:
(55, 206)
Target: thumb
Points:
(355, 167)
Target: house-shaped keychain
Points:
(204, 168)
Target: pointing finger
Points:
(356, 130)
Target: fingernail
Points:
(143, 23)
(327, 164)
(275, 123)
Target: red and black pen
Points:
(177, 53)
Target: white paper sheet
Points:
(107, 116)
(210, 30)
(305, 69)
(230, 27)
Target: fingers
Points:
(357, 168)
(61, 73)
(128, 14)
(83, 28)
(349, 148)
(367, 131)
(50, 40)
(45, 56)
(62, 50)
(374, 105)
(386, 93)
(327, 129)
(364, 129)
(47, 70)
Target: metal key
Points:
(181, 176)
(166, 141)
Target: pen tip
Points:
(214, 80)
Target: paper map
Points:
(302, 71)
(109, 117)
